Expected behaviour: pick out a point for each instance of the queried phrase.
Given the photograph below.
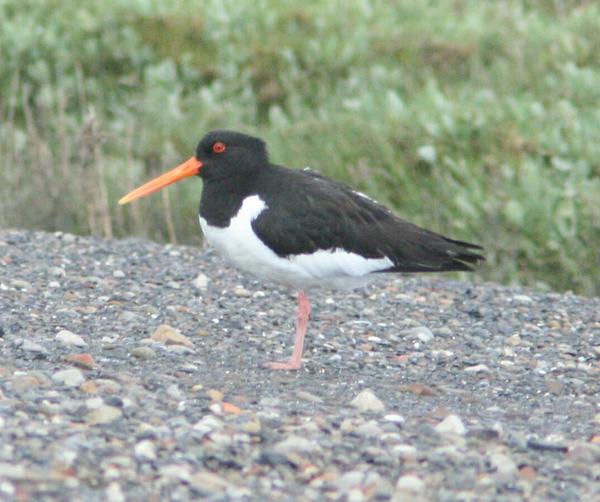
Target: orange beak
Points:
(190, 167)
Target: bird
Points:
(299, 228)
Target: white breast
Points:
(239, 243)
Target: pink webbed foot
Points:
(284, 365)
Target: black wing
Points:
(323, 214)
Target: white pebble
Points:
(503, 464)
(296, 444)
(68, 338)
(410, 483)
(367, 401)
(72, 377)
(104, 414)
(145, 450)
(478, 368)
(452, 424)
(200, 282)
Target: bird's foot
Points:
(284, 365)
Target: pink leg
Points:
(295, 362)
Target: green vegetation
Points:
(478, 119)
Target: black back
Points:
(307, 212)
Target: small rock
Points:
(114, 493)
(296, 444)
(208, 424)
(534, 444)
(419, 389)
(349, 480)
(452, 424)
(101, 386)
(423, 333)
(128, 316)
(85, 361)
(215, 395)
(31, 380)
(170, 336)
(503, 464)
(224, 408)
(522, 299)
(68, 338)
(57, 271)
(394, 418)
(180, 350)
(30, 346)
(144, 353)
(514, 340)
(174, 391)
(20, 284)
(369, 429)
(478, 368)
(366, 401)
(72, 377)
(307, 396)
(408, 483)
(406, 452)
(145, 450)
(118, 274)
(241, 292)
(208, 482)
(104, 414)
(200, 282)
(444, 331)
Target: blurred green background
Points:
(479, 119)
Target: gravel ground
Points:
(131, 371)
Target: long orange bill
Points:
(190, 167)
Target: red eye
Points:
(219, 147)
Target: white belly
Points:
(329, 268)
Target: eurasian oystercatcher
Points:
(300, 228)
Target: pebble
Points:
(452, 424)
(369, 429)
(30, 346)
(170, 336)
(68, 338)
(145, 450)
(104, 414)
(522, 299)
(394, 418)
(478, 368)
(296, 444)
(114, 493)
(242, 292)
(503, 464)
(143, 352)
(423, 333)
(367, 401)
(207, 482)
(200, 282)
(72, 377)
(307, 396)
(514, 340)
(409, 483)
(85, 361)
(406, 452)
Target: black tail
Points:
(461, 256)
(420, 250)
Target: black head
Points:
(226, 153)
(219, 155)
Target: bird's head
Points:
(219, 155)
